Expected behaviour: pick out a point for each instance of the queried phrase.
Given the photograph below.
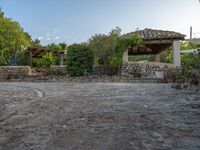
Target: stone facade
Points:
(9, 72)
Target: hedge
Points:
(80, 59)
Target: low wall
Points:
(9, 72)
(60, 67)
(146, 69)
(86, 79)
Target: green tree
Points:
(109, 48)
(57, 47)
(80, 59)
(63, 46)
(36, 43)
(12, 38)
(188, 60)
(104, 46)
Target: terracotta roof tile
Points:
(151, 34)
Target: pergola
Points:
(37, 52)
(155, 42)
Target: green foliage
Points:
(37, 62)
(104, 47)
(12, 37)
(188, 60)
(36, 43)
(57, 47)
(109, 48)
(4, 56)
(22, 57)
(63, 46)
(123, 43)
(191, 60)
(141, 58)
(48, 60)
(80, 59)
(166, 56)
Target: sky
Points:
(73, 21)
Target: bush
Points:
(48, 60)
(22, 58)
(80, 59)
(37, 62)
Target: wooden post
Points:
(61, 60)
(30, 59)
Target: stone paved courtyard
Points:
(100, 116)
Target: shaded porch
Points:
(154, 43)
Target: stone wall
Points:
(9, 72)
(86, 79)
(146, 69)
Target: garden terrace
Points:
(155, 42)
(36, 52)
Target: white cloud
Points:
(57, 37)
(40, 37)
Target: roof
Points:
(38, 51)
(152, 34)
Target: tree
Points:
(57, 47)
(104, 46)
(124, 43)
(36, 43)
(80, 59)
(63, 46)
(188, 61)
(12, 38)
(109, 48)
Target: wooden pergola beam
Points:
(35, 52)
(157, 42)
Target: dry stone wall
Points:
(146, 70)
(9, 72)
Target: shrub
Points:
(80, 59)
(48, 59)
(37, 62)
(109, 49)
(22, 57)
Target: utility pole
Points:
(191, 31)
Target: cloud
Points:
(57, 37)
(40, 37)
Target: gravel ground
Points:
(100, 116)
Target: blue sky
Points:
(77, 20)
